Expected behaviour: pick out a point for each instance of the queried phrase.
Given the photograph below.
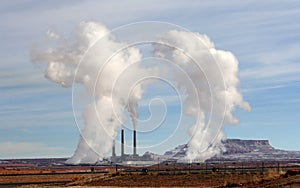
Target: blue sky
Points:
(36, 115)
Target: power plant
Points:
(125, 158)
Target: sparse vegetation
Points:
(110, 176)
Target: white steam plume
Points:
(211, 88)
(214, 74)
(133, 110)
(103, 118)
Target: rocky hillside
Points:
(235, 146)
(237, 149)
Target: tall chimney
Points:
(134, 142)
(122, 143)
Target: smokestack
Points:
(134, 142)
(113, 149)
(122, 143)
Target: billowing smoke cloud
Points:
(213, 94)
(210, 85)
(104, 117)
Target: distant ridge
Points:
(246, 146)
(238, 149)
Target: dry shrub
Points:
(111, 171)
(229, 184)
(77, 178)
(228, 173)
(235, 179)
(272, 174)
(255, 178)
(281, 172)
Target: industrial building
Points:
(127, 158)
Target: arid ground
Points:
(30, 178)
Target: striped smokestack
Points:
(134, 142)
(122, 143)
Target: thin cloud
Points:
(270, 71)
(31, 149)
(279, 86)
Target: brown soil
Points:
(193, 180)
(152, 179)
(33, 179)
